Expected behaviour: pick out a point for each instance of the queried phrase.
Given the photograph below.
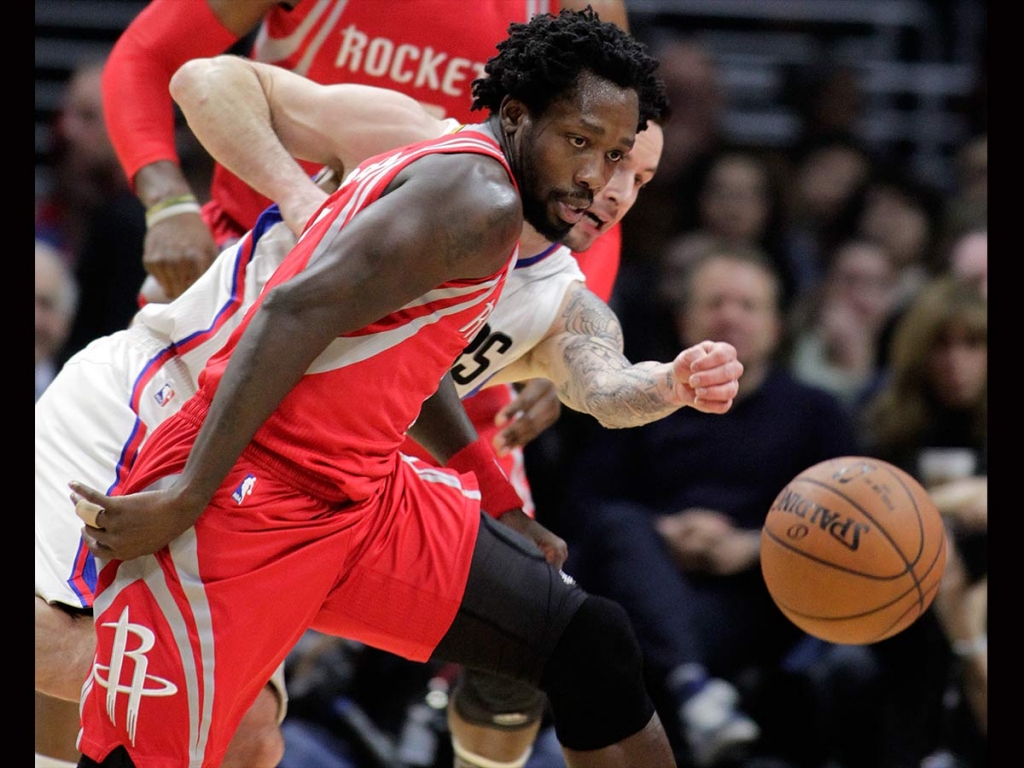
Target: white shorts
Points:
(89, 424)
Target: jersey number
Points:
(485, 343)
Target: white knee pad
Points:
(466, 759)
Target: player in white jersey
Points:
(132, 381)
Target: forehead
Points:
(646, 152)
(861, 255)
(718, 274)
(737, 169)
(598, 106)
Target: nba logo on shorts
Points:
(165, 395)
(244, 488)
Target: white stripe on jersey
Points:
(347, 350)
(434, 475)
(270, 49)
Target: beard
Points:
(535, 211)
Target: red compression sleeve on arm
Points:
(137, 104)
(497, 496)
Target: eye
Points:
(616, 155)
(578, 141)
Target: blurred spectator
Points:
(931, 419)
(91, 215)
(56, 304)
(966, 209)
(826, 176)
(902, 215)
(740, 205)
(86, 173)
(968, 259)
(838, 328)
(692, 137)
(686, 497)
(936, 394)
(830, 100)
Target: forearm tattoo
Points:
(599, 378)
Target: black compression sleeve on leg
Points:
(497, 702)
(116, 759)
(594, 679)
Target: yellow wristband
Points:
(166, 212)
(167, 202)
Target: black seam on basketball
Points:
(853, 572)
(847, 617)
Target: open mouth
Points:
(571, 213)
(594, 219)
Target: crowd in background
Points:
(856, 295)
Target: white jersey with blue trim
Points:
(92, 419)
(523, 316)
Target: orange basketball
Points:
(852, 550)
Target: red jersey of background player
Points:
(355, 42)
(328, 41)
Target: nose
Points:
(619, 188)
(592, 173)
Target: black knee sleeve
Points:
(594, 679)
(497, 702)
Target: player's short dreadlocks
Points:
(541, 61)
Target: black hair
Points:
(542, 60)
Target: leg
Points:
(258, 742)
(56, 728)
(65, 645)
(493, 720)
(520, 618)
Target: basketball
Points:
(852, 550)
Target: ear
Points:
(513, 113)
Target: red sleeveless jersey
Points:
(334, 435)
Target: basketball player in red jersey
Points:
(429, 49)
(335, 125)
(311, 515)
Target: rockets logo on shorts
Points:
(164, 395)
(244, 488)
(125, 658)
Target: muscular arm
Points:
(448, 434)
(443, 427)
(443, 217)
(582, 355)
(393, 251)
(255, 119)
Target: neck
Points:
(531, 242)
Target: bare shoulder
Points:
(476, 200)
